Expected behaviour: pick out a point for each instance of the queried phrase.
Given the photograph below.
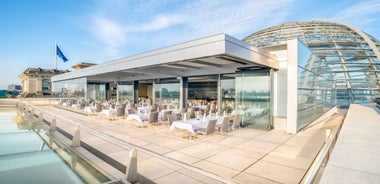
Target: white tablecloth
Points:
(138, 117)
(89, 109)
(108, 112)
(190, 125)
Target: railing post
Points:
(53, 125)
(328, 133)
(40, 118)
(76, 138)
(131, 172)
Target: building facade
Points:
(14, 87)
(36, 82)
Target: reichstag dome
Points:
(345, 56)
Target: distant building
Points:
(82, 65)
(36, 81)
(14, 87)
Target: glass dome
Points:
(351, 55)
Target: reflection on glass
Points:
(70, 88)
(125, 92)
(167, 92)
(314, 88)
(96, 91)
(228, 93)
(253, 90)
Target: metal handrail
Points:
(138, 148)
(323, 154)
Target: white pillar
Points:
(131, 172)
(76, 138)
(291, 115)
(53, 126)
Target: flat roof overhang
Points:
(206, 56)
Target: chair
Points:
(207, 109)
(188, 115)
(120, 112)
(191, 112)
(153, 118)
(154, 108)
(171, 118)
(213, 108)
(165, 116)
(98, 108)
(209, 129)
(224, 127)
(236, 122)
(131, 111)
(183, 110)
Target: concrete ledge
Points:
(356, 156)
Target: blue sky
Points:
(97, 31)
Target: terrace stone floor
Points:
(242, 156)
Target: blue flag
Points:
(60, 54)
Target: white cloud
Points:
(159, 22)
(109, 31)
(360, 13)
(118, 23)
(234, 17)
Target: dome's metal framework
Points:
(346, 56)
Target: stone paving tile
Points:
(358, 144)
(227, 140)
(257, 145)
(275, 137)
(243, 151)
(108, 148)
(185, 158)
(295, 162)
(310, 141)
(175, 178)
(177, 144)
(248, 178)
(201, 150)
(290, 152)
(156, 139)
(152, 170)
(216, 169)
(121, 156)
(200, 177)
(356, 160)
(248, 133)
(157, 148)
(231, 160)
(165, 163)
(339, 175)
(276, 172)
(136, 142)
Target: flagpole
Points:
(55, 53)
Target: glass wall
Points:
(253, 100)
(314, 89)
(70, 88)
(46, 87)
(227, 82)
(96, 92)
(125, 92)
(166, 92)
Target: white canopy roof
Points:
(211, 55)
